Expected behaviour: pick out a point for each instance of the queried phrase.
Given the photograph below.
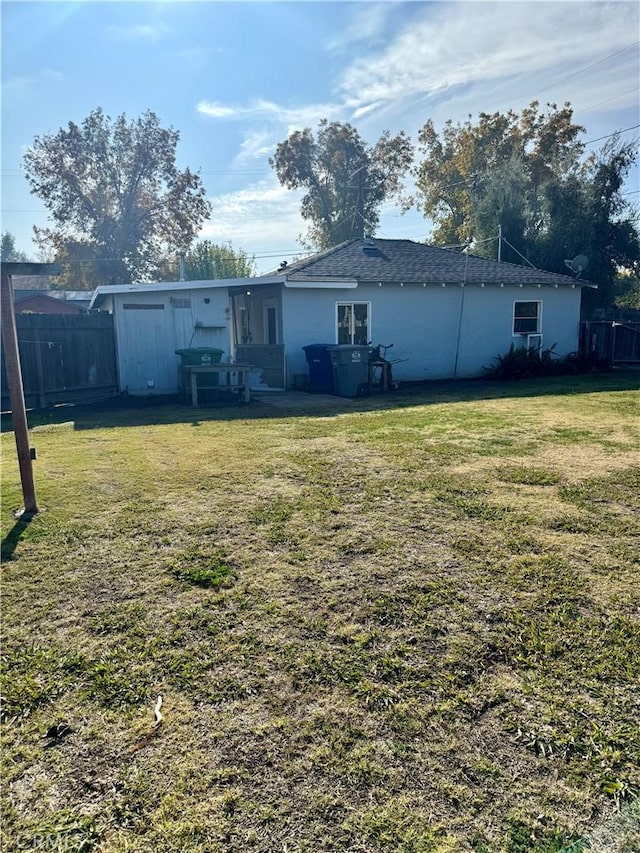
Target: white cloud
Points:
(20, 85)
(366, 109)
(256, 145)
(294, 117)
(214, 109)
(145, 32)
(453, 59)
(368, 26)
(456, 45)
(261, 218)
(264, 220)
(448, 61)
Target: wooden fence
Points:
(65, 358)
(614, 342)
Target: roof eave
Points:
(457, 282)
(165, 286)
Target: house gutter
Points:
(311, 283)
(569, 284)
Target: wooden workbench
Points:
(237, 376)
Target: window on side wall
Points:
(527, 318)
(353, 322)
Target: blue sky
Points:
(237, 78)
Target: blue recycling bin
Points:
(320, 368)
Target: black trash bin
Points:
(350, 369)
(320, 368)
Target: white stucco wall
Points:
(440, 331)
(146, 339)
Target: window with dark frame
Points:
(526, 318)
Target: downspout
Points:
(247, 308)
(234, 320)
(464, 287)
(285, 360)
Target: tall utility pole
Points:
(14, 375)
(360, 209)
(357, 231)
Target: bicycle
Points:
(380, 370)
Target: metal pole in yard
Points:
(14, 375)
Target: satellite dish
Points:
(578, 264)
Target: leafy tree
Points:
(473, 176)
(528, 175)
(116, 197)
(628, 294)
(345, 179)
(8, 251)
(84, 265)
(627, 298)
(585, 213)
(207, 260)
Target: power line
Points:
(17, 172)
(607, 101)
(582, 70)
(609, 135)
(264, 256)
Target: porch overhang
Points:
(166, 286)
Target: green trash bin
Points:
(350, 369)
(199, 357)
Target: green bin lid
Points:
(198, 351)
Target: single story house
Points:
(448, 314)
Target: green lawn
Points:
(410, 624)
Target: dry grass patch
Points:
(410, 628)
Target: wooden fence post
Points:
(14, 373)
(16, 395)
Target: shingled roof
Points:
(373, 260)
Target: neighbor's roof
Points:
(374, 260)
(73, 296)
